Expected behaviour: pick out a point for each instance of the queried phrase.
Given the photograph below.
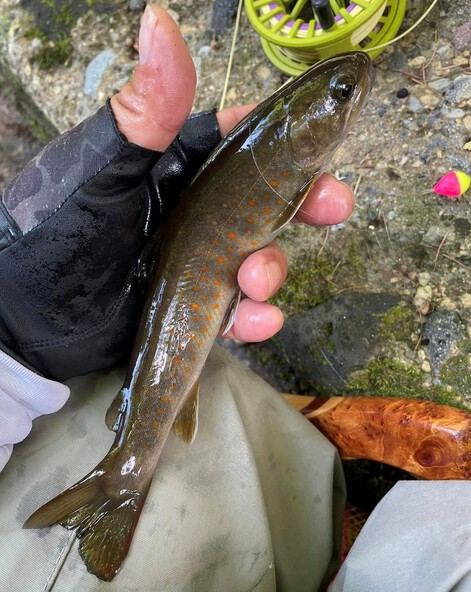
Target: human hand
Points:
(75, 222)
(263, 272)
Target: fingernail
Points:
(275, 275)
(147, 34)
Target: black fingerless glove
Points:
(73, 226)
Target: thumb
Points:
(151, 108)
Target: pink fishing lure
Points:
(453, 184)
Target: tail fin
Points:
(105, 522)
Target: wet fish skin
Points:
(246, 192)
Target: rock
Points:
(455, 114)
(95, 71)
(417, 62)
(136, 5)
(440, 84)
(467, 122)
(326, 344)
(462, 36)
(415, 106)
(460, 91)
(423, 297)
(430, 100)
(441, 331)
(223, 16)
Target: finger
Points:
(329, 202)
(230, 117)
(262, 273)
(154, 104)
(255, 321)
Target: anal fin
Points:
(185, 425)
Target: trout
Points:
(246, 192)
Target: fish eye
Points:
(342, 87)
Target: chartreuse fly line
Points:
(409, 30)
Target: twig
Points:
(437, 255)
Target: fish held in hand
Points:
(249, 188)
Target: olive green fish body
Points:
(246, 192)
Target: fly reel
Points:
(297, 33)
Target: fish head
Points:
(325, 103)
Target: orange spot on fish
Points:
(232, 235)
(286, 173)
(229, 249)
(204, 298)
(196, 288)
(280, 202)
(267, 211)
(273, 183)
(204, 329)
(215, 241)
(221, 260)
(155, 425)
(253, 243)
(217, 294)
(249, 220)
(164, 399)
(199, 344)
(215, 306)
(196, 319)
(209, 318)
(266, 196)
(159, 411)
(173, 386)
(204, 268)
(217, 282)
(203, 278)
(176, 359)
(195, 306)
(243, 253)
(252, 202)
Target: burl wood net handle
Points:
(428, 440)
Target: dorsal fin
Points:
(186, 423)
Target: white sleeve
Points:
(24, 396)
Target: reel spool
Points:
(293, 39)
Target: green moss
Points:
(456, 373)
(389, 378)
(54, 53)
(53, 22)
(398, 323)
(308, 284)
(353, 263)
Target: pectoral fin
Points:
(229, 317)
(293, 205)
(114, 414)
(186, 423)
